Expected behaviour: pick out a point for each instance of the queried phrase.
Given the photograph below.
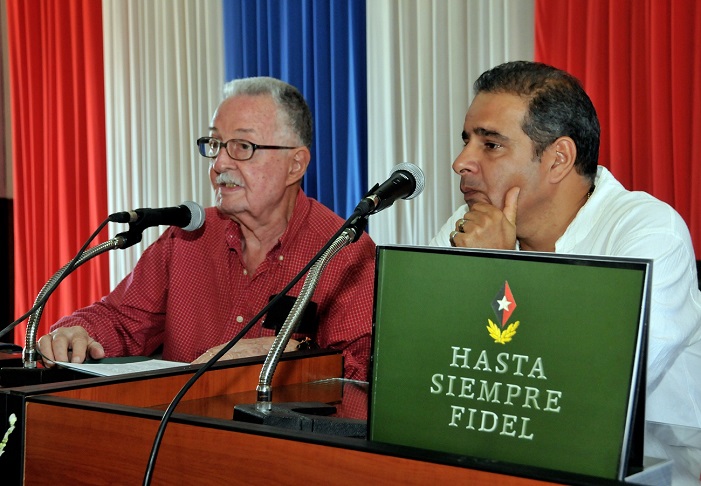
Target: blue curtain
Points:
(319, 47)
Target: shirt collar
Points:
(587, 216)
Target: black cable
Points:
(352, 220)
(68, 269)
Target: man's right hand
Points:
(71, 344)
(487, 226)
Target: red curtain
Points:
(640, 61)
(58, 146)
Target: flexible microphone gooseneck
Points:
(406, 181)
(352, 221)
(190, 216)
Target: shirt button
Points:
(239, 319)
(245, 272)
(281, 258)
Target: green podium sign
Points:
(527, 358)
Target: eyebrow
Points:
(243, 130)
(483, 132)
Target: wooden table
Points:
(102, 430)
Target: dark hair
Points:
(557, 106)
(287, 98)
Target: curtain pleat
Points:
(319, 47)
(163, 80)
(5, 126)
(695, 128)
(58, 140)
(640, 61)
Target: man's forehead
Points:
(245, 114)
(248, 105)
(495, 114)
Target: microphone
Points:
(405, 181)
(188, 216)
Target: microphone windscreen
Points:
(416, 172)
(197, 215)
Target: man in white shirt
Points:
(530, 179)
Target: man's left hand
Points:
(245, 349)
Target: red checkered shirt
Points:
(190, 291)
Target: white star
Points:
(504, 303)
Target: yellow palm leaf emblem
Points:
(499, 336)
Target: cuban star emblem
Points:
(503, 305)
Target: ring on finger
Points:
(452, 236)
(461, 223)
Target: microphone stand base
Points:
(304, 416)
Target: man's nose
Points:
(466, 161)
(222, 162)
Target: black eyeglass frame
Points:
(202, 142)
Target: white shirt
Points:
(618, 222)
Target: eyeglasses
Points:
(237, 149)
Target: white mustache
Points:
(226, 178)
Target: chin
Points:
(227, 206)
(473, 200)
(230, 210)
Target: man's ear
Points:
(562, 154)
(299, 162)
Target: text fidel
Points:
(528, 398)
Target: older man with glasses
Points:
(191, 292)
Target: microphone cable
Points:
(133, 229)
(68, 270)
(352, 220)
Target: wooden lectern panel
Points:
(215, 382)
(74, 446)
(102, 431)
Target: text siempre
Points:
(477, 394)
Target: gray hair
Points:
(287, 98)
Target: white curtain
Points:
(423, 56)
(164, 72)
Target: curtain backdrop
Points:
(163, 70)
(164, 67)
(160, 83)
(163, 79)
(640, 61)
(423, 56)
(319, 47)
(58, 141)
(5, 132)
